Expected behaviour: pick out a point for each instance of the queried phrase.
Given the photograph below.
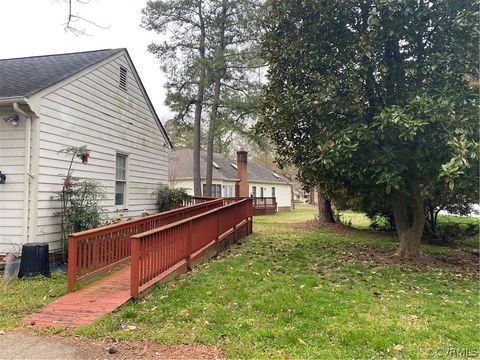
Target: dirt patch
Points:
(98, 349)
(340, 228)
(28, 346)
(462, 261)
(315, 225)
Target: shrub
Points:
(82, 211)
(454, 228)
(168, 198)
(384, 222)
(78, 198)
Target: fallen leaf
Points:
(398, 347)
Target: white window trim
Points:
(125, 197)
(218, 186)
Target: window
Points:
(254, 191)
(120, 179)
(273, 192)
(276, 175)
(123, 78)
(216, 190)
(234, 166)
(228, 191)
(215, 165)
(261, 192)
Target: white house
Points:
(90, 98)
(261, 181)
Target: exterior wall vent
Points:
(123, 78)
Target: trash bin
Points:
(34, 260)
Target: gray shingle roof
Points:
(28, 75)
(181, 167)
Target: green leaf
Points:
(451, 185)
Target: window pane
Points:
(254, 191)
(228, 191)
(273, 192)
(119, 193)
(121, 166)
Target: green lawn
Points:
(19, 298)
(287, 292)
(355, 219)
(290, 291)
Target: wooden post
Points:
(189, 246)
(72, 263)
(235, 223)
(250, 215)
(135, 267)
(95, 262)
(217, 245)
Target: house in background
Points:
(260, 182)
(90, 98)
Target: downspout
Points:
(26, 191)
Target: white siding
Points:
(184, 184)
(92, 110)
(12, 164)
(188, 185)
(282, 192)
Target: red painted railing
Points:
(96, 251)
(158, 251)
(261, 205)
(264, 205)
(194, 200)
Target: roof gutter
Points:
(28, 175)
(15, 99)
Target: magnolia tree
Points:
(375, 97)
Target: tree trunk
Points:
(211, 133)
(197, 180)
(219, 69)
(311, 194)
(431, 214)
(409, 230)
(325, 213)
(292, 194)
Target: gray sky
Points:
(36, 27)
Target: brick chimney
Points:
(242, 185)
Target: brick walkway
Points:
(85, 305)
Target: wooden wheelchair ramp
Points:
(86, 305)
(157, 249)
